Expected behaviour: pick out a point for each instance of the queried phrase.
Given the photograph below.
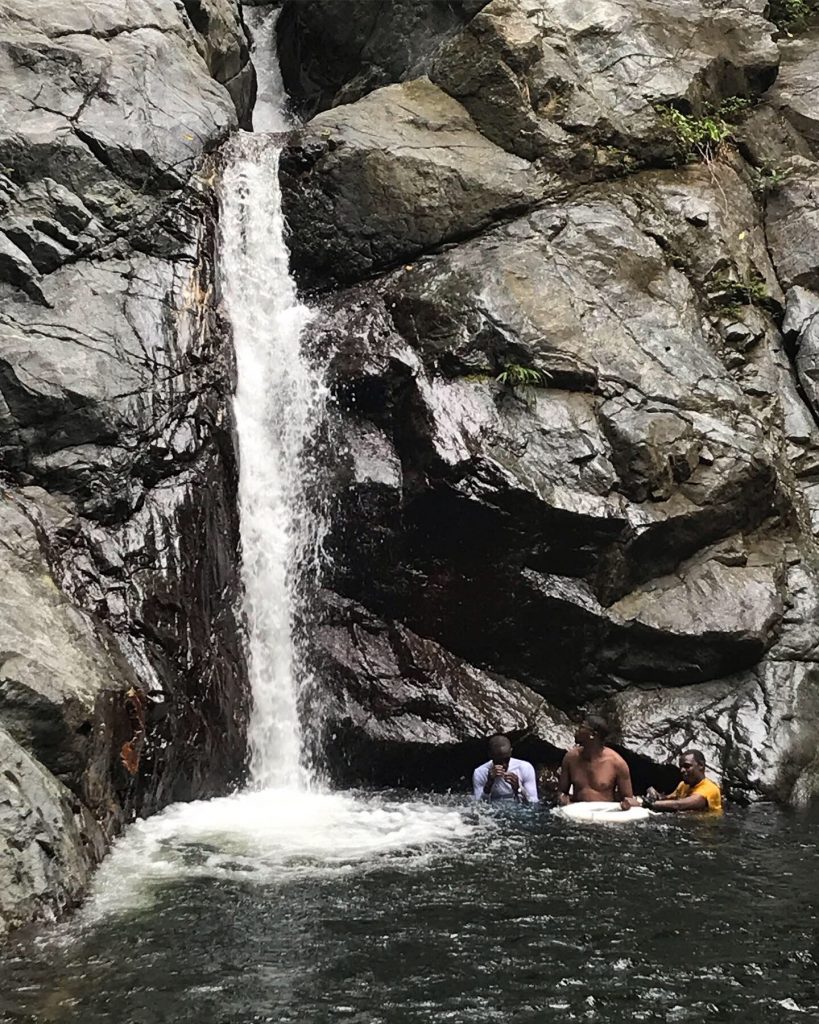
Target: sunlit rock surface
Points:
(122, 683)
(403, 170)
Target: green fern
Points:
(702, 136)
(514, 375)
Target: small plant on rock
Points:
(514, 375)
(701, 137)
(732, 294)
(791, 15)
(769, 179)
(734, 108)
(696, 136)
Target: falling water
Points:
(277, 404)
(270, 110)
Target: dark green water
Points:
(514, 916)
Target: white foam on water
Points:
(273, 836)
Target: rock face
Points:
(336, 53)
(582, 435)
(563, 259)
(123, 681)
(402, 171)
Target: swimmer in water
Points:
(694, 793)
(504, 777)
(591, 770)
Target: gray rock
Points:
(757, 728)
(702, 622)
(586, 506)
(401, 171)
(557, 80)
(120, 639)
(768, 139)
(55, 665)
(792, 221)
(64, 695)
(794, 93)
(223, 44)
(49, 842)
(801, 325)
(91, 383)
(107, 111)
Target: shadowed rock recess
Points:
(565, 259)
(122, 676)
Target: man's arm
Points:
(528, 783)
(695, 802)
(624, 788)
(651, 797)
(481, 783)
(565, 782)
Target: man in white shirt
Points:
(504, 777)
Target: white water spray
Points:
(278, 403)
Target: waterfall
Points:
(279, 829)
(277, 404)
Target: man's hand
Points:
(629, 802)
(652, 794)
(497, 771)
(564, 800)
(512, 779)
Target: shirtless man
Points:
(591, 769)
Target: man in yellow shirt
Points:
(694, 793)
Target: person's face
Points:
(584, 734)
(500, 754)
(691, 772)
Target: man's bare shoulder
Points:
(616, 759)
(572, 755)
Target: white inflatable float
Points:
(600, 811)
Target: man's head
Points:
(592, 731)
(500, 749)
(692, 767)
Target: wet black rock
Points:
(404, 710)
(583, 439)
(336, 51)
(124, 683)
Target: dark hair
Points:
(698, 756)
(500, 742)
(598, 725)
